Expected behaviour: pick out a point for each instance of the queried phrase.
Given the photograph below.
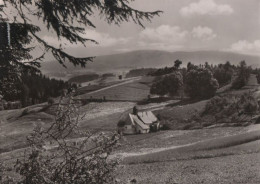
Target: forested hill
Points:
(151, 59)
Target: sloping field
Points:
(175, 116)
(147, 143)
(103, 116)
(15, 125)
(191, 150)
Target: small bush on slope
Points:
(231, 108)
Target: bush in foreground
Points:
(53, 157)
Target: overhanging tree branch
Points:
(69, 19)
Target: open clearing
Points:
(132, 90)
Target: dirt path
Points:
(150, 150)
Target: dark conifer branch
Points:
(68, 19)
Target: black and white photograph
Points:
(129, 92)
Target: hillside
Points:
(151, 59)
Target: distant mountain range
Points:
(150, 59)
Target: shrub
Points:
(250, 104)
(239, 82)
(188, 126)
(258, 77)
(84, 101)
(121, 123)
(50, 101)
(166, 126)
(25, 112)
(163, 71)
(164, 123)
(139, 72)
(257, 121)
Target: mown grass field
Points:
(133, 91)
(94, 87)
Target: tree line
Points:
(32, 88)
(198, 81)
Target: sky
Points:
(185, 25)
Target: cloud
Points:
(104, 40)
(124, 49)
(159, 46)
(164, 34)
(163, 37)
(203, 33)
(166, 37)
(245, 46)
(206, 7)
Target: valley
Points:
(177, 155)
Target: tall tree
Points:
(243, 74)
(177, 64)
(200, 83)
(169, 84)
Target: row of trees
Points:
(139, 72)
(198, 81)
